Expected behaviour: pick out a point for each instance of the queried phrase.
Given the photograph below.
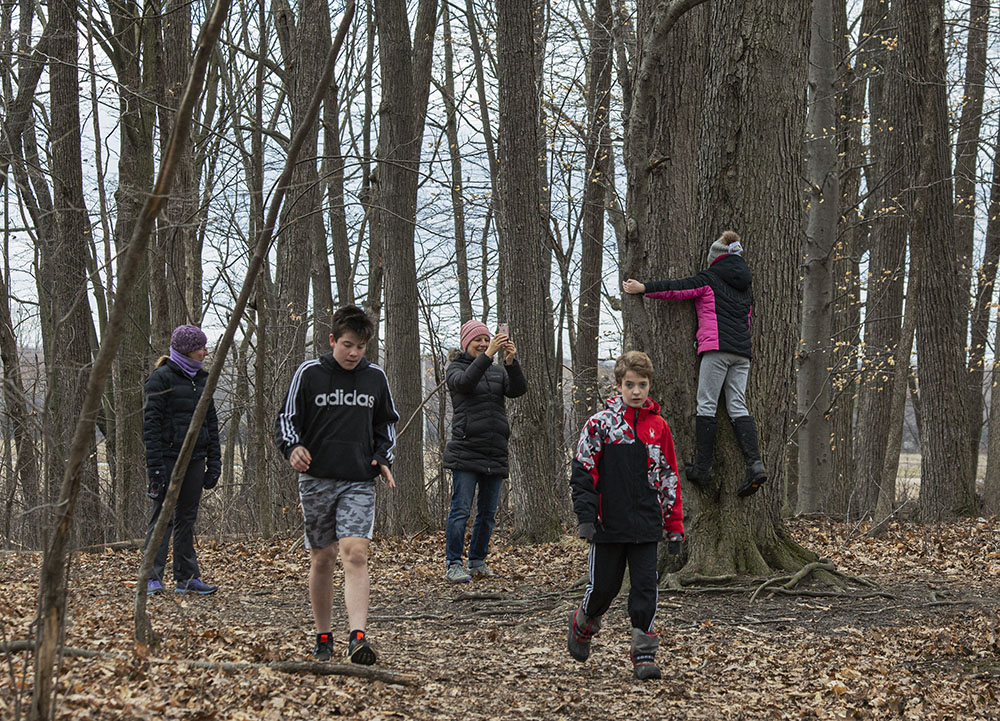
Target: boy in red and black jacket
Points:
(626, 498)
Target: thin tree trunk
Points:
(814, 355)
(886, 265)
(980, 334)
(536, 489)
(454, 152)
(945, 491)
(52, 577)
(405, 87)
(586, 390)
(966, 154)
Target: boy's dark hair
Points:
(635, 361)
(351, 318)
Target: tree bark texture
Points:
(815, 357)
(966, 153)
(537, 486)
(175, 256)
(405, 86)
(889, 180)
(946, 488)
(63, 264)
(134, 60)
(586, 391)
(663, 238)
(749, 169)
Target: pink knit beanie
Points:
(471, 329)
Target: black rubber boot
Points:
(644, 647)
(746, 436)
(700, 472)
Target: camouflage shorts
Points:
(335, 509)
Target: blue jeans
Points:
(463, 486)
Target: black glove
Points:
(586, 530)
(157, 482)
(674, 542)
(211, 479)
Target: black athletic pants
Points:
(182, 524)
(607, 563)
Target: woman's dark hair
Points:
(351, 318)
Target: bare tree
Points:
(966, 153)
(587, 395)
(887, 182)
(405, 85)
(748, 170)
(945, 492)
(524, 263)
(814, 356)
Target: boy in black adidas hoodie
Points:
(337, 428)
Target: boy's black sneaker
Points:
(359, 650)
(324, 647)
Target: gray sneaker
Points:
(481, 571)
(457, 574)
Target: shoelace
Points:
(586, 633)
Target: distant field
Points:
(909, 473)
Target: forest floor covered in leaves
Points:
(924, 644)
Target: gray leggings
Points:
(720, 370)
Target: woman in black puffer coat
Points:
(172, 392)
(477, 451)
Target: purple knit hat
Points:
(187, 338)
(471, 329)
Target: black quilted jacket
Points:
(723, 299)
(171, 396)
(479, 427)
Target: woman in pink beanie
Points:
(477, 451)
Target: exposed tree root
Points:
(816, 567)
(319, 668)
(676, 581)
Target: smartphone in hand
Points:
(504, 329)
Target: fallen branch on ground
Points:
(319, 668)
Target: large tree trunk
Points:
(662, 236)
(405, 86)
(586, 392)
(945, 492)
(749, 169)
(815, 357)
(536, 486)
